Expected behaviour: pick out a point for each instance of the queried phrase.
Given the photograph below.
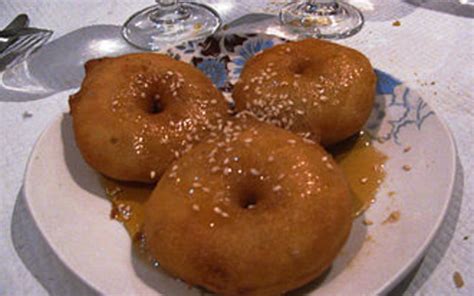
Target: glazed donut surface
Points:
(136, 113)
(318, 89)
(255, 211)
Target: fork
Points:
(19, 22)
(28, 40)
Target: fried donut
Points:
(137, 113)
(256, 211)
(318, 89)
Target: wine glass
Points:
(331, 19)
(170, 21)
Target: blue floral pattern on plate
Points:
(214, 69)
(247, 50)
(222, 59)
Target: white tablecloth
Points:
(432, 51)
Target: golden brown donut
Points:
(136, 113)
(318, 89)
(255, 211)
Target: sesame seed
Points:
(276, 188)
(291, 141)
(364, 180)
(254, 172)
(219, 211)
(195, 207)
(271, 158)
(152, 174)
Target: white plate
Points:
(69, 205)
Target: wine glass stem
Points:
(321, 7)
(169, 12)
(167, 4)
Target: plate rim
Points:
(34, 215)
(403, 272)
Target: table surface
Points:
(432, 51)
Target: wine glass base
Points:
(191, 21)
(342, 22)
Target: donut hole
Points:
(156, 105)
(152, 102)
(248, 200)
(300, 66)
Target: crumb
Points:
(466, 237)
(392, 218)
(433, 82)
(391, 193)
(458, 280)
(435, 93)
(367, 222)
(396, 24)
(406, 149)
(406, 167)
(27, 114)
(369, 238)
